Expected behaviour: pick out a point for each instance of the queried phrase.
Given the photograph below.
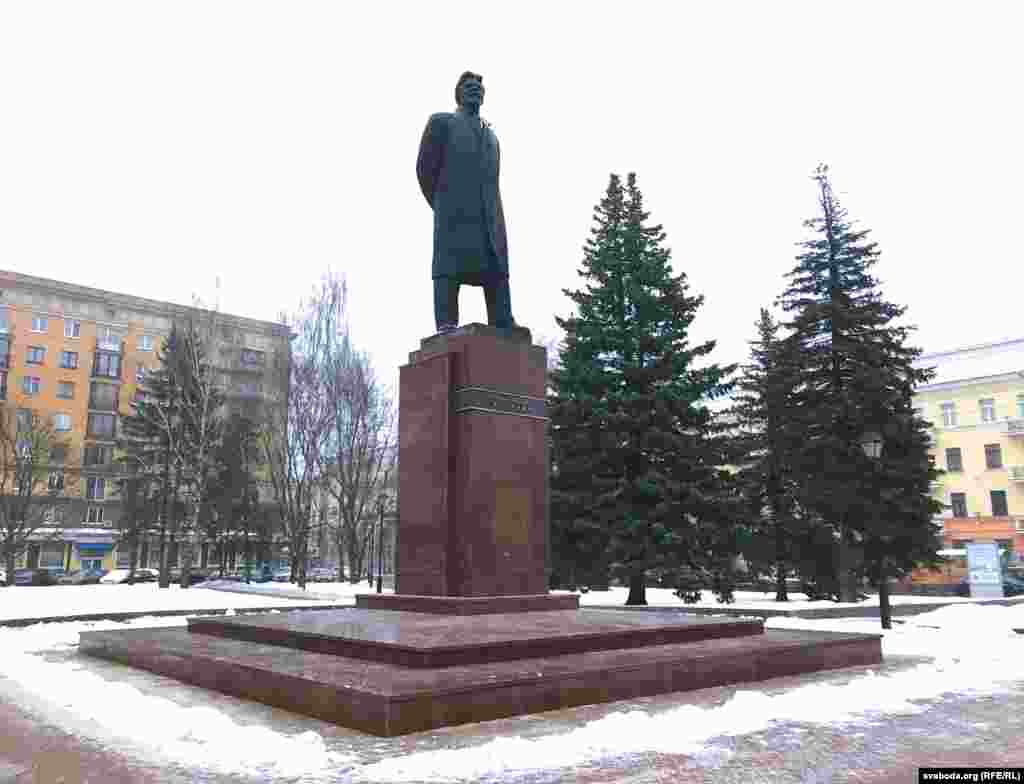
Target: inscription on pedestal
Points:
(492, 401)
(512, 515)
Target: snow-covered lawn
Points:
(969, 648)
(656, 597)
(61, 600)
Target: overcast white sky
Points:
(151, 147)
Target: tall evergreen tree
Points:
(151, 438)
(856, 377)
(766, 483)
(636, 457)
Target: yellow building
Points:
(77, 355)
(976, 404)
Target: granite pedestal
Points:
(471, 633)
(392, 672)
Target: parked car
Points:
(1012, 586)
(198, 575)
(37, 576)
(118, 576)
(81, 577)
(322, 575)
(282, 575)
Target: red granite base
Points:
(387, 699)
(467, 605)
(423, 640)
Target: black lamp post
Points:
(872, 442)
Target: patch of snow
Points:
(199, 735)
(975, 651)
(27, 601)
(971, 649)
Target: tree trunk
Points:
(884, 609)
(133, 556)
(637, 589)
(248, 556)
(781, 594)
(165, 581)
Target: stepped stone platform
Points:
(392, 672)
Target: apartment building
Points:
(78, 355)
(976, 404)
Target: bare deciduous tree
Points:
(295, 431)
(361, 450)
(33, 474)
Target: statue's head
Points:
(469, 90)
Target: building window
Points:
(40, 324)
(51, 556)
(101, 425)
(954, 460)
(999, 508)
(56, 481)
(94, 514)
(140, 374)
(35, 355)
(5, 352)
(993, 456)
(72, 329)
(108, 338)
(249, 389)
(948, 414)
(5, 320)
(30, 385)
(988, 410)
(62, 422)
(145, 343)
(69, 359)
(251, 358)
(58, 454)
(959, 503)
(95, 487)
(107, 365)
(66, 390)
(3, 386)
(1020, 406)
(103, 397)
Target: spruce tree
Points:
(856, 377)
(150, 437)
(766, 483)
(637, 478)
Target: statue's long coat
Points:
(457, 169)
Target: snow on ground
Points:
(972, 649)
(27, 601)
(656, 597)
(201, 736)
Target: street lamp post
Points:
(872, 443)
(380, 546)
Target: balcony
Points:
(1015, 427)
(107, 365)
(1016, 473)
(104, 402)
(112, 343)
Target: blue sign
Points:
(983, 570)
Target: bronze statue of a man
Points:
(457, 169)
